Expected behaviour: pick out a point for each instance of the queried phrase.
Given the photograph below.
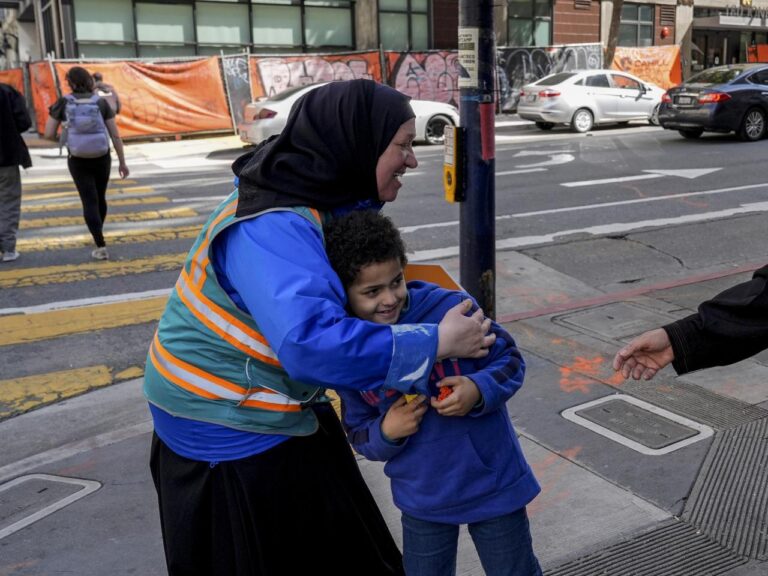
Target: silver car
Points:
(585, 98)
(267, 117)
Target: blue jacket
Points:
(454, 470)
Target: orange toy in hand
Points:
(445, 391)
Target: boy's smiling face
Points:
(378, 293)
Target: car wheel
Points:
(691, 134)
(582, 120)
(653, 119)
(753, 125)
(435, 131)
(544, 125)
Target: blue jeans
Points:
(503, 545)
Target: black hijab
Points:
(327, 154)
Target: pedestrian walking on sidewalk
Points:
(90, 124)
(106, 91)
(730, 327)
(453, 459)
(251, 465)
(14, 120)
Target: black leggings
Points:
(91, 176)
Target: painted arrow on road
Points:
(555, 158)
(650, 174)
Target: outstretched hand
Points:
(645, 355)
(461, 336)
(461, 400)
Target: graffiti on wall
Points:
(238, 84)
(271, 76)
(425, 75)
(520, 66)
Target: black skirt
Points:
(299, 508)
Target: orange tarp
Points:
(14, 77)
(272, 75)
(659, 65)
(161, 99)
(757, 53)
(43, 91)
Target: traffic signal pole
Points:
(477, 58)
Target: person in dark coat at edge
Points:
(728, 328)
(253, 471)
(14, 121)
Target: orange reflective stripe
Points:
(227, 319)
(229, 209)
(316, 214)
(178, 381)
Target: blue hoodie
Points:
(454, 470)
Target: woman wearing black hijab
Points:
(251, 466)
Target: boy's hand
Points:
(464, 397)
(403, 418)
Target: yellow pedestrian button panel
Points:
(452, 164)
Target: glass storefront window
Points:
(111, 21)
(529, 23)
(404, 24)
(328, 27)
(164, 23)
(222, 23)
(276, 25)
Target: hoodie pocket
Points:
(440, 474)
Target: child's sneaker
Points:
(10, 256)
(100, 254)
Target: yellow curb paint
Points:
(23, 328)
(44, 275)
(180, 212)
(47, 182)
(22, 394)
(75, 204)
(72, 193)
(112, 237)
(129, 374)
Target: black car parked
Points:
(730, 98)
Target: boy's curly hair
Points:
(359, 239)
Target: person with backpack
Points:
(90, 124)
(106, 91)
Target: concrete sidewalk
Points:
(666, 477)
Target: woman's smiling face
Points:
(395, 160)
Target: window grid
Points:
(529, 22)
(416, 37)
(636, 28)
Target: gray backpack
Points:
(86, 132)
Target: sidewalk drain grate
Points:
(27, 499)
(695, 402)
(637, 424)
(674, 550)
(729, 501)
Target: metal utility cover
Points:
(616, 320)
(638, 424)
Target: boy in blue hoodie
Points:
(453, 458)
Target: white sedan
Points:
(267, 117)
(585, 98)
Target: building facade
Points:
(710, 32)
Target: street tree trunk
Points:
(613, 33)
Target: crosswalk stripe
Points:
(167, 213)
(129, 236)
(21, 394)
(74, 204)
(25, 328)
(47, 183)
(24, 277)
(71, 192)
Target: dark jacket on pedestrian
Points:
(730, 327)
(14, 119)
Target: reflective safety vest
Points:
(208, 360)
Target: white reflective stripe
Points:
(221, 323)
(216, 389)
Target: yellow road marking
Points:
(23, 328)
(76, 204)
(48, 182)
(24, 277)
(112, 237)
(21, 394)
(72, 193)
(180, 212)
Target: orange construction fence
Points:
(659, 65)
(14, 77)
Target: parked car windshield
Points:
(555, 79)
(715, 76)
